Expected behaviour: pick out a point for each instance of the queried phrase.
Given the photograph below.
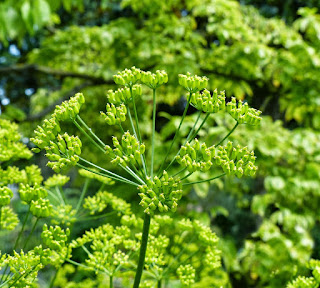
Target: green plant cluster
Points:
(113, 249)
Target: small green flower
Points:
(124, 95)
(56, 180)
(5, 195)
(69, 109)
(243, 113)
(128, 77)
(45, 133)
(187, 274)
(203, 101)
(235, 160)
(64, 152)
(127, 152)
(31, 193)
(196, 157)
(115, 115)
(41, 208)
(55, 237)
(162, 194)
(154, 80)
(194, 83)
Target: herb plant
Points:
(169, 247)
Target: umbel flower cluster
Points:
(20, 268)
(158, 183)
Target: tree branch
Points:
(59, 73)
(49, 108)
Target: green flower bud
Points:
(242, 113)
(127, 77)
(193, 84)
(163, 194)
(29, 193)
(187, 274)
(5, 196)
(154, 80)
(41, 208)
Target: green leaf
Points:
(27, 16)
(41, 13)
(67, 5)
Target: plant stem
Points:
(135, 134)
(83, 193)
(110, 174)
(97, 216)
(185, 177)
(207, 180)
(34, 227)
(143, 249)
(176, 134)
(203, 121)
(121, 128)
(54, 278)
(0, 216)
(62, 199)
(54, 196)
(110, 281)
(89, 137)
(230, 132)
(23, 275)
(159, 283)
(188, 138)
(153, 130)
(90, 131)
(100, 141)
(182, 170)
(16, 243)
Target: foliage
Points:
(268, 225)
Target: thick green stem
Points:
(231, 131)
(0, 216)
(111, 281)
(83, 193)
(176, 134)
(32, 230)
(207, 180)
(143, 250)
(153, 130)
(159, 283)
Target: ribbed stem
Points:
(143, 249)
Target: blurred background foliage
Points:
(266, 52)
